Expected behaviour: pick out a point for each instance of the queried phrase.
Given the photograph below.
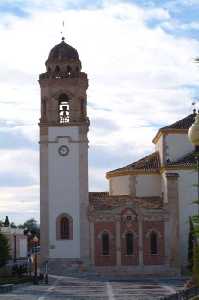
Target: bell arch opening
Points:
(64, 109)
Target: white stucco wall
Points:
(119, 185)
(176, 146)
(187, 194)
(23, 247)
(63, 172)
(159, 148)
(148, 185)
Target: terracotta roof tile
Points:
(181, 124)
(98, 194)
(112, 202)
(148, 163)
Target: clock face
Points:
(63, 150)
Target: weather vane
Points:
(62, 32)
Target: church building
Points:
(140, 225)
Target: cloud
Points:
(19, 165)
(141, 77)
(19, 203)
(17, 138)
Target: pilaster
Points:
(140, 241)
(92, 236)
(118, 243)
(172, 238)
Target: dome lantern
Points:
(193, 132)
(63, 58)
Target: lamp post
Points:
(35, 242)
(193, 135)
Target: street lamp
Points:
(35, 242)
(193, 135)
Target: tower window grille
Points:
(64, 228)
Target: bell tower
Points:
(64, 157)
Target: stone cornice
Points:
(131, 172)
(168, 168)
(151, 172)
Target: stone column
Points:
(140, 240)
(92, 237)
(172, 236)
(118, 243)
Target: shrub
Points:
(191, 245)
(4, 250)
(196, 264)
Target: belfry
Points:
(64, 157)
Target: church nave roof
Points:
(149, 163)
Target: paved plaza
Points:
(70, 288)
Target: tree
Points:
(4, 250)
(12, 225)
(31, 226)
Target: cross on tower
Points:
(62, 32)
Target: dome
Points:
(62, 52)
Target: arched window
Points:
(105, 244)
(153, 243)
(129, 243)
(64, 228)
(64, 116)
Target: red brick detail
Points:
(129, 259)
(105, 260)
(153, 259)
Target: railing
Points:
(183, 295)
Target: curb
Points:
(5, 288)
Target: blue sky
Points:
(139, 59)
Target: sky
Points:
(139, 57)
